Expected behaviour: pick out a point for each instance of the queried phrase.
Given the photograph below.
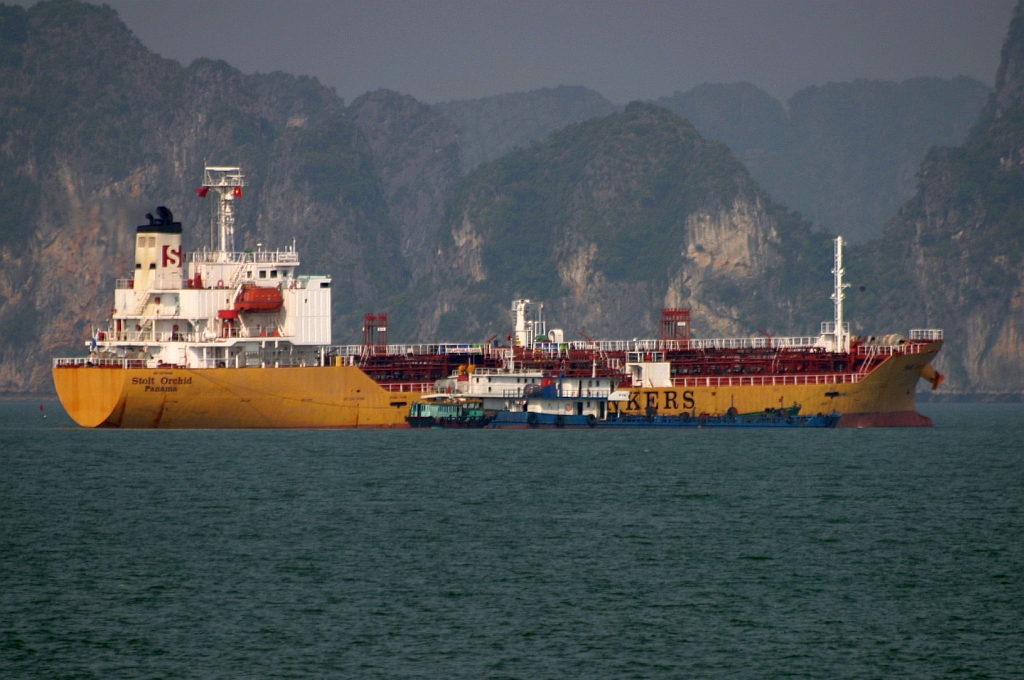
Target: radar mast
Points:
(228, 183)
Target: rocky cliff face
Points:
(97, 131)
(952, 259)
(416, 155)
(1009, 93)
(607, 222)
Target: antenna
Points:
(228, 183)
(842, 335)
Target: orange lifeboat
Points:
(259, 300)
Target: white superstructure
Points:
(502, 389)
(218, 307)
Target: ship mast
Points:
(841, 334)
(228, 183)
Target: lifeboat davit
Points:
(260, 300)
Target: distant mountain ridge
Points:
(846, 154)
(491, 127)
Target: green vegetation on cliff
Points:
(96, 130)
(632, 204)
(952, 258)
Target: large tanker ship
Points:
(229, 339)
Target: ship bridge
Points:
(218, 306)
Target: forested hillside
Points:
(954, 256)
(490, 127)
(613, 218)
(97, 131)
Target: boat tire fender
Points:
(559, 421)
(531, 420)
(591, 420)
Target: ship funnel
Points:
(159, 258)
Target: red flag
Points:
(238, 192)
(202, 191)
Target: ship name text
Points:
(642, 400)
(166, 384)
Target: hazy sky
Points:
(437, 51)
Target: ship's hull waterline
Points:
(883, 398)
(345, 397)
(225, 398)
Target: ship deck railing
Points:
(636, 347)
(77, 362)
(912, 347)
(147, 336)
(405, 350)
(586, 393)
(259, 256)
(408, 387)
(926, 334)
(529, 373)
(652, 345)
(765, 380)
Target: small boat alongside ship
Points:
(223, 338)
(548, 405)
(444, 410)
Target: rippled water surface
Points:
(528, 554)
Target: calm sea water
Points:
(525, 554)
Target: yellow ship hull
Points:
(882, 398)
(345, 397)
(306, 397)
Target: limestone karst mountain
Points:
(97, 131)
(844, 155)
(954, 256)
(491, 127)
(613, 218)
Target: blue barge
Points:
(519, 419)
